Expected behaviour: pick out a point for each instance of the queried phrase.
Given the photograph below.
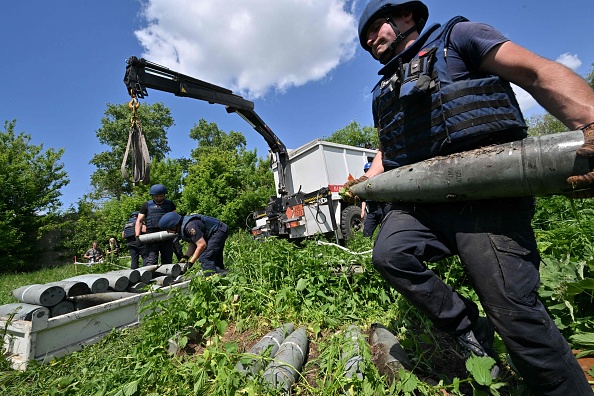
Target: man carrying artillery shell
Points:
(446, 89)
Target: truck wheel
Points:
(350, 221)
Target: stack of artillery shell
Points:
(289, 359)
(96, 282)
(44, 295)
(267, 347)
(22, 311)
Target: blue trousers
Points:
(136, 250)
(496, 244)
(163, 247)
(212, 256)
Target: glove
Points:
(346, 193)
(184, 259)
(586, 150)
(138, 239)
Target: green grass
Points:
(274, 282)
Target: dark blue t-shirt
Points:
(468, 45)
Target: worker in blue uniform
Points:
(149, 215)
(445, 89)
(206, 238)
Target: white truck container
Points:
(314, 174)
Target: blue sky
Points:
(62, 61)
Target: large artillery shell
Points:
(117, 282)
(289, 359)
(537, 166)
(173, 270)
(391, 357)
(101, 298)
(22, 311)
(146, 273)
(269, 345)
(156, 237)
(133, 275)
(96, 282)
(72, 288)
(164, 280)
(62, 308)
(46, 295)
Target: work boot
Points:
(479, 341)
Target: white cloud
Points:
(250, 46)
(570, 60)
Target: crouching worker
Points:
(206, 238)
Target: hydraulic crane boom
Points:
(142, 74)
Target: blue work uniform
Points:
(215, 233)
(426, 106)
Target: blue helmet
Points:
(367, 166)
(169, 221)
(377, 8)
(134, 214)
(158, 189)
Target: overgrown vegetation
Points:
(273, 282)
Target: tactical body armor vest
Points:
(155, 212)
(210, 226)
(422, 113)
(129, 228)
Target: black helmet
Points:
(377, 8)
(169, 221)
(158, 189)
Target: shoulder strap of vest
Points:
(440, 39)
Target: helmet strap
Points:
(399, 38)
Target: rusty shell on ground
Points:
(392, 356)
(45, 295)
(535, 166)
(23, 311)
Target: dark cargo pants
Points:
(496, 245)
(212, 256)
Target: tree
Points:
(30, 183)
(226, 180)
(355, 135)
(155, 119)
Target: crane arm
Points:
(142, 74)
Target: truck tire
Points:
(350, 221)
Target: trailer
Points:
(320, 168)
